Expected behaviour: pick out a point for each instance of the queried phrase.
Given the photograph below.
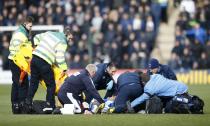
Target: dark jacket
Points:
(79, 82)
(167, 72)
(129, 78)
(102, 77)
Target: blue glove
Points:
(109, 85)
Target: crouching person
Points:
(74, 85)
(129, 88)
(160, 87)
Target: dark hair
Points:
(67, 31)
(139, 72)
(145, 77)
(29, 19)
(111, 64)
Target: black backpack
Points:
(154, 105)
(185, 104)
(41, 107)
(196, 105)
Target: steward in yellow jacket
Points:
(50, 50)
(19, 90)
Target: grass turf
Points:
(7, 118)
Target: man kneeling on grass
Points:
(74, 85)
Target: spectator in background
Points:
(207, 48)
(198, 32)
(143, 55)
(174, 62)
(79, 16)
(137, 23)
(5, 53)
(126, 62)
(178, 49)
(204, 61)
(97, 20)
(189, 6)
(125, 22)
(179, 36)
(182, 23)
(75, 64)
(186, 59)
(196, 49)
(149, 33)
(164, 12)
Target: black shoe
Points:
(129, 108)
(27, 107)
(57, 111)
(15, 108)
(21, 105)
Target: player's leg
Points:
(121, 99)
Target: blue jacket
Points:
(128, 78)
(200, 34)
(160, 86)
(79, 82)
(166, 71)
(102, 77)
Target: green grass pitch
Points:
(8, 119)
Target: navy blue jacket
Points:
(167, 72)
(79, 82)
(128, 78)
(102, 77)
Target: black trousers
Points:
(40, 69)
(18, 91)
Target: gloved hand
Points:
(109, 85)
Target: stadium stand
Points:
(192, 36)
(122, 31)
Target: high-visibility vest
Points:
(51, 47)
(18, 37)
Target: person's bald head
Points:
(91, 68)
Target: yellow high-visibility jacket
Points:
(19, 36)
(51, 47)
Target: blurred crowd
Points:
(121, 31)
(192, 36)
